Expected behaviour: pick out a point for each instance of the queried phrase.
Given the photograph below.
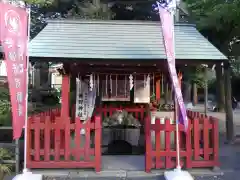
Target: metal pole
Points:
(205, 90)
(177, 133)
(26, 116)
(17, 156)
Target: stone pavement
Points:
(227, 176)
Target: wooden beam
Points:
(150, 62)
(158, 88)
(85, 69)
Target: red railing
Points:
(55, 142)
(199, 146)
(106, 111)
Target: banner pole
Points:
(177, 135)
(176, 103)
(26, 116)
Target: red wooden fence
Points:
(199, 145)
(55, 142)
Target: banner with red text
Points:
(166, 9)
(14, 39)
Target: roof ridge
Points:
(112, 22)
(141, 40)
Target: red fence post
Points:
(158, 143)
(188, 145)
(67, 140)
(29, 142)
(98, 139)
(206, 139)
(37, 139)
(47, 138)
(77, 138)
(196, 138)
(148, 154)
(168, 143)
(87, 140)
(57, 139)
(215, 142)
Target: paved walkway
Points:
(228, 176)
(222, 118)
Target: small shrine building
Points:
(113, 58)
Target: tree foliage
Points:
(195, 74)
(89, 10)
(5, 169)
(5, 107)
(218, 21)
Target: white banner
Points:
(81, 100)
(85, 100)
(142, 91)
(91, 101)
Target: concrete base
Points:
(177, 174)
(118, 166)
(28, 176)
(75, 173)
(123, 163)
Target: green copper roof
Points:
(118, 40)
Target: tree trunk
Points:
(187, 91)
(44, 75)
(2, 175)
(220, 88)
(195, 96)
(228, 103)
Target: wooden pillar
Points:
(228, 103)
(165, 90)
(180, 79)
(158, 88)
(148, 143)
(65, 95)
